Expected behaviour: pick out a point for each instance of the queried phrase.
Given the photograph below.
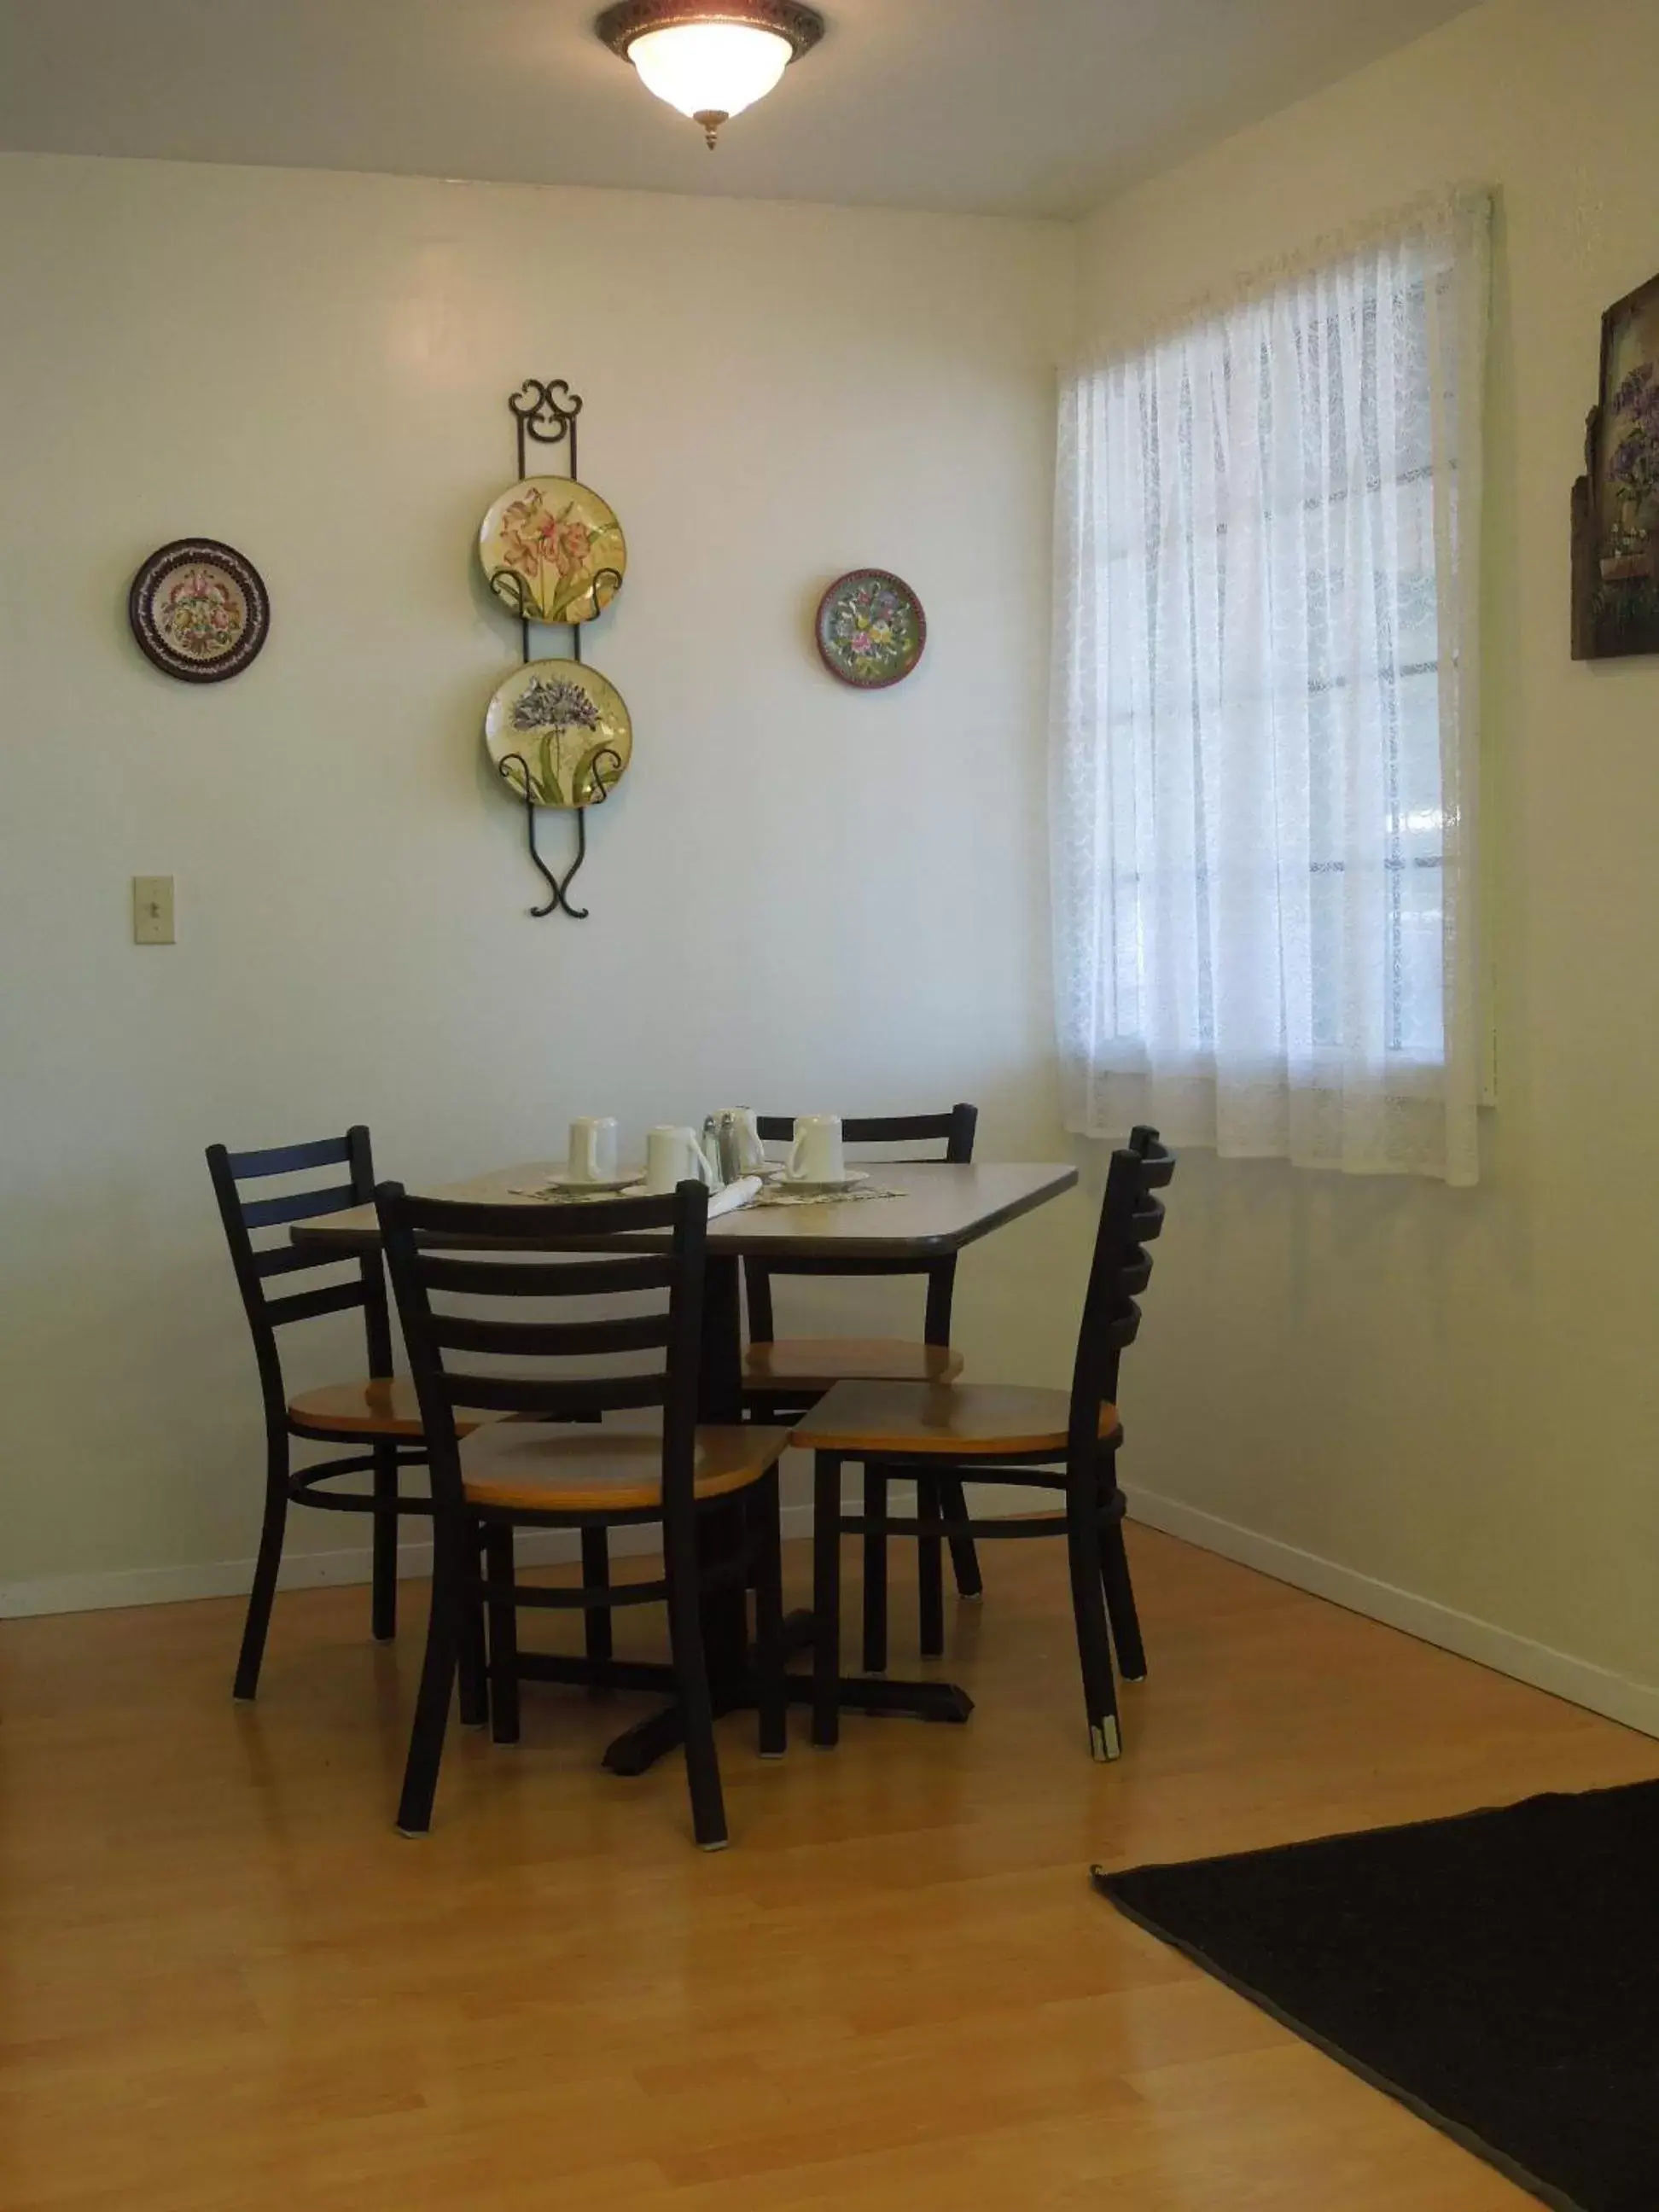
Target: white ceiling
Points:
(997, 107)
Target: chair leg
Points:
(1088, 1608)
(930, 1569)
(503, 1617)
(826, 1598)
(596, 1575)
(383, 1603)
(1121, 1604)
(766, 1552)
(875, 1572)
(426, 1740)
(252, 1652)
(703, 1771)
(472, 1660)
(964, 1558)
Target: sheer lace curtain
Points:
(1266, 713)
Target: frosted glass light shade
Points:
(710, 71)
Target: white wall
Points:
(1446, 1405)
(800, 896)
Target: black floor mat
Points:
(1498, 1973)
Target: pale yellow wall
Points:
(801, 896)
(1456, 1393)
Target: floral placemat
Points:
(773, 1196)
(770, 1194)
(564, 1193)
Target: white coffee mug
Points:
(674, 1155)
(745, 1124)
(592, 1157)
(817, 1154)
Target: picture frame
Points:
(1615, 503)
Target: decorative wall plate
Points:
(871, 629)
(198, 610)
(568, 724)
(553, 550)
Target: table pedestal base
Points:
(638, 1749)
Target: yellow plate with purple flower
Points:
(871, 629)
(553, 551)
(560, 728)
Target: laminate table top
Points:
(937, 1209)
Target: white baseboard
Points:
(299, 1570)
(310, 1570)
(1634, 1703)
(1615, 1696)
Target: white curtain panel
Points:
(1266, 713)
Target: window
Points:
(1264, 716)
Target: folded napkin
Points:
(734, 1197)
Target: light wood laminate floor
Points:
(229, 1987)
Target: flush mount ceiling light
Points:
(711, 62)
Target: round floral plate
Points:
(871, 629)
(198, 610)
(553, 550)
(564, 725)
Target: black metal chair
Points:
(785, 1377)
(538, 1471)
(376, 1412)
(986, 1433)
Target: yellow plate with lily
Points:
(553, 551)
(563, 726)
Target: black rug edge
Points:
(1464, 2137)
(1388, 1828)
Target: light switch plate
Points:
(152, 910)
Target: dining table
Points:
(924, 1211)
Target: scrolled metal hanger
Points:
(599, 790)
(544, 410)
(541, 413)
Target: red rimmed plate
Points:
(871, 629)
(199, 609)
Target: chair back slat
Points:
(290, 1259)
(880, 1129)
(542, 1225)
(241, 1219)
(1120, 1270)
(289, 1160)
(954, 1131)
(496, 1259)
(298, 1205)
(1148, 1220)
(544, 1399)
(311, 1305)
(562, 1278)
(550, 1339)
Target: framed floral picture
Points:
(1615, 503)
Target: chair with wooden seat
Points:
(783, 1376)
(537, 1471)
(376, 1411)
(1030, 1438)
